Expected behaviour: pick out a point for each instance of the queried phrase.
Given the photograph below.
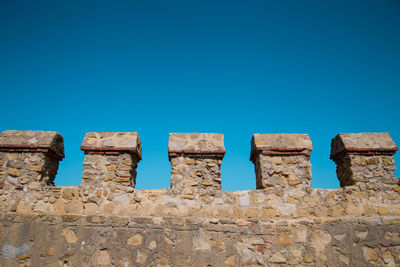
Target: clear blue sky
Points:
(231, 67)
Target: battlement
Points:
(300, 218)
(29, 162)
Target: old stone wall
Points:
(283, 222)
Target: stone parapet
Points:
(365, 160)
(284, 223)
(29, 158)
(196, 145)
(196, 160)
(107, 240)
(282, 163)
(48, 142)
(111, 160)
(112, 143)
(280, 144)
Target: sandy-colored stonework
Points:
(107, 222)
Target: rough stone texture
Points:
(32, 141)
(198, 144)
(83, 226)
(365, 160)
(110, 161)
(363, 143)
(282, 163)
(291, 144)
(103, 142)
(196, 162)
(29, 158)
(123, 241)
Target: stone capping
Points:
(48, 142)
(196, 145)
(199, 154)
(362, 144)
(112, 143)
(280, 145)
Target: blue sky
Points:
(231, 67)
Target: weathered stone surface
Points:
(365, 160)
(207, 143)
(29, 158)
(281, 163)
(136, 240)
(363, 143)
(196, 161)
(105, 222)
(280, 144)
(110, 161)
(112, 141)
(31, 140)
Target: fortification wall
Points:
(107, 222)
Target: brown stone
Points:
(308, 259)
(75, 207)
(207, 183)
(135, 240)
(336, 211)
(268, 213)
(188, 196)
(370, 254)
(35, 167)
(24, 207)
(48, 252)
(189, 161)
(69, 235)
(383, 210)
(14, 172)
(353, 210)
(22, 257)
(252, 213)
(152, 245)
(368, 210)
(111, 168)
(141, 257)
(59, 207)
(290, 160)
(292, 180)
(230, 261)
(277, 160)
(112, 187)
(122, 179)
(283, 239)
(124, 168)
(103, 258)
(109, 177)
(390, 221)
(219, 245)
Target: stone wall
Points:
(196, 160)
(106, 222)
(29, 158)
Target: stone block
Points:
(363, 143)
(110, 161)
(196, 144)
(280, 144)
(32, 141)
(365, 160)
(196, 160)
(30, 158)
(112, 142)
(281, 161)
